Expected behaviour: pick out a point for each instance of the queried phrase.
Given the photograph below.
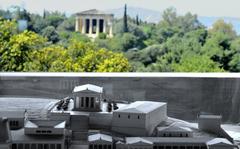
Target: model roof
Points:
(93, 12)
(45, 123)
(4, 146)
(134, 140)
(87, 87)
(141, 107)
(13, 114)
(99, 136)
(175, 140)
(210, 116)
(219, 141)
(174, 128)
(19, 136)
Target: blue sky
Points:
(227, 8)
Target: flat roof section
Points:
(141, 107)
(18, 136)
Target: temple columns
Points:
(82, 26)
(98, 23)
(77, 24)
(104, 26)
(90, 26)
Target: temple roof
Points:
(93, 12)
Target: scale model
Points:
(88, 120)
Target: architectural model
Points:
(88, 120)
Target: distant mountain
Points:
(155, 16)
(144, 14)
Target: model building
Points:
(89, 120)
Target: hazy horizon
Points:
(213, 8)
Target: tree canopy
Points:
(177, 43)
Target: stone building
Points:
(92, 22)
(146, 114)
(16, 119)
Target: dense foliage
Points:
(29, 51)
(175, 44)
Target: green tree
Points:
(68, 24)
(54, 18)
(38, 23)
(50, 33)
(52, 59)
(125, 19)
(170, 16)
(137, 20)
(224, 28)
(217, 47)
(195, 63)
(234, 63)
(15, 54)
(78, 57)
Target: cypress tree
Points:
(44, 14)
(125, 24)
(137, 20)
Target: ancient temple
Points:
(93, 22)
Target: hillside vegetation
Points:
(175, 44)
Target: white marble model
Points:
(86, 121)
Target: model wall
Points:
(186, 96)
(155, 117)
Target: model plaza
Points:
(89, 120)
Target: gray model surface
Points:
(90, 120)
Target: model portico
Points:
(87, 98)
